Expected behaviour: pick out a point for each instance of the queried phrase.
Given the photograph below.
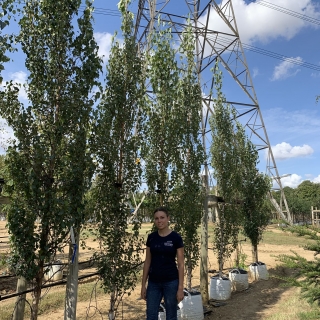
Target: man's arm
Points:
(145, 272)
(180, 260)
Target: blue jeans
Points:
(155, 292)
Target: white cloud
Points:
(20, 78)
(291, 181)
(6, 135)
(315, 74)
(284, 151)
(255, 72)
(6, 132)
(316, 179)
(286, 69)
(104, 41)
(260, 23)
(294, 123)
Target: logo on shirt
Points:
(168, 244)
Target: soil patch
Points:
(260, 301)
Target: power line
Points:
(275, 55)
(287, 11)
(225, 41)
(114, 12)
(104, 11)
(271, 54)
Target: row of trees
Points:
(74, 128)
(301, 198)
(81, 146)
(242, 187)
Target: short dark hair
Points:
(164, 209)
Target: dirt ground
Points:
(260, 301)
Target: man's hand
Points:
(180, 295)
(143, 293)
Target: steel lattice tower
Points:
(214, 41)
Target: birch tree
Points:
(160, 143)
(255, 209)
(226, 153)
(49, 162)
(187, 196)
(116, 147)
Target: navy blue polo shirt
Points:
(163, 250)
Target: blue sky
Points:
(286, 92)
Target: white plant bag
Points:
(220, 288)
(162, 312)
(54, 272)
(191, 306)
(259, 271)
(239, 279)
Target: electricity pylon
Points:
(217, 37)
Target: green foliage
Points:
(243, 188)
(302, 231)
(309, 315)
(226, 154)
(313, 246)
(49, 164)
(309, 191)
(256, 209)
(161, 144)
(4, 256)
(4, 173)
(172, 150)
(243, 261)
(306, 275)
(255, 187)
(301, 198)
(116, 145)
(188, 195)
(3, 168)
(6, 40)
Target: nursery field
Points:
(267, 300)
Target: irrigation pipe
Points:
(8, 296)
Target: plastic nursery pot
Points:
(53, 272)
(191, 307)
(220, 288)
(258, 271)
(239, 279)
(162, 312)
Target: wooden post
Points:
(20, 302)
(204, 248)
(315, 216)
(312, 216)
(72, 281)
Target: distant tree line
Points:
(301, 198)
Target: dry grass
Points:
(288, 307)
(52, 299)
(293, 307)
